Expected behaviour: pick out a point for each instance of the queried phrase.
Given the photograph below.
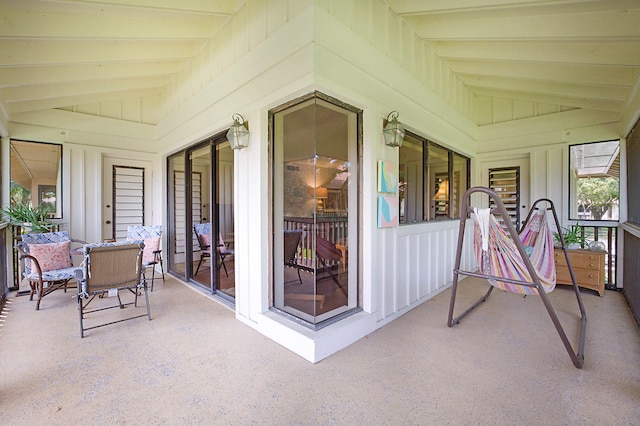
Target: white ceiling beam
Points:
(68, 120)
(568, 73)
(578, 91)
(56, 52)
(23, 76)
(611, 24)
(217, 7)
(613, 53)
(506, 9)
(546, 123)
(44, 91)
(597, 105)
(80, 99)
(21, 22)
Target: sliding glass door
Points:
(200, 182)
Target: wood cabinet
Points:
(588, 268)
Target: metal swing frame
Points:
(577, 357)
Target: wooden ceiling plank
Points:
(217, 7)
(24, 76)
(591, 26)
(44, 91)
(551, 99)
(79, 99)
(594, 53)
(569, 73)
(24, 23)
(57, 52)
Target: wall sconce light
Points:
(393, 130)
(238, 134)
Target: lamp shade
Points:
(443, 191)
(393, 130)
(322, 192)
(238, 134)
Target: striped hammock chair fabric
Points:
(497, 254)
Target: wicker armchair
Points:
(48, 262)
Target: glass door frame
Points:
(212, 212)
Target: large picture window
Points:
(314, 175)
(594, 181)
(432, 181)
(36, 176)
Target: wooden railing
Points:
(331, 228)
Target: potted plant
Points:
(30, 219)
(573, 237)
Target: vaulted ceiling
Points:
(572, 53)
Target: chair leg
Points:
(222, 264)
(199, 263)
(40, 289)
(81, 316)
(146, 299)
(153, 275)
(161, 266)
(333, 277)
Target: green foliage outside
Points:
(21, 213)
(18, 194)
(598, 194)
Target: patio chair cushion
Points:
(150, 246)
(56, 274)
(205, 240)
(51, 256)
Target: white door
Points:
(126, 190)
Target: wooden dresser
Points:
(588, 268)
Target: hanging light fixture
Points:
(393, 130)
(238, 134)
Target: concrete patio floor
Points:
(194, 363)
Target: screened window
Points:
(594, 181)
(432, 181)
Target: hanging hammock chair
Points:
(517, 263)
(497, 254)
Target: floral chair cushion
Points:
(151, 245)
(51, 256)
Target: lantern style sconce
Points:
(393, 130)
(238, 134)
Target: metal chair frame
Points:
(124, 261)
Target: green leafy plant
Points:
(23, 215)
(571, 235)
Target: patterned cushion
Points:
(56, 274)
(205, 240)
(52, 256)
(150, 245)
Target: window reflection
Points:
(315, 209)
(36, 176)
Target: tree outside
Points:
(598, 195)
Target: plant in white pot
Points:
(30, 219)
(573, 237)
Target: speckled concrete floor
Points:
(195, 364)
